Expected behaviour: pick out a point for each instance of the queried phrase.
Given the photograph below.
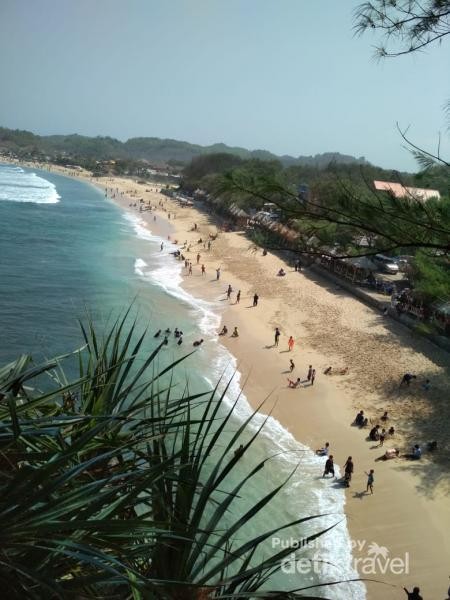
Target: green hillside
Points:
(152, 149)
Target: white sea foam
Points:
(18, 185)
(140, 227)
(167, 275)
(139, 266)
(324, 497)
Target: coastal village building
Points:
(401, 191)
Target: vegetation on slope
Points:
(152, 149)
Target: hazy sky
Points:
(284, 75)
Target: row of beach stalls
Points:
(242, 219)
(357, 270)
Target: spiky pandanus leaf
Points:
(127, 491)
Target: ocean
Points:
(65, 249)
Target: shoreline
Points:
(405, 513)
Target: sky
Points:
(287, 76)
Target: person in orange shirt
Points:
(291, 343)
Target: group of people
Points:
(224, 331)
(409, 377)
(310, 376)
(379, 434)
(349, 468)
(177, 334)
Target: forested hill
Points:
(155, 150)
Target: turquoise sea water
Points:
(64, 247)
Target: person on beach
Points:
(313, 376)
(239, 451)
(224, 330)
(385, 416)
(416, 452)
(391, 431)
(198, 258)
(374, 434)
(203, 270)
(229, 290)
(323, 451)
(329, 467)
(217, 273)
(235, 332)
(382, 437)
(190, 268)
(290, 343)
(370, 480)
(414, 595)
(390, 453)
(238, 297)
(294, 384)
(291, 365)
(277, 336)
(348, 470)
(432, 446)
(310, 370)
(180, 341)
(161, 248)
(359, 419)
(166, 340)
(407, 378)
(209, 244)
(255, 300)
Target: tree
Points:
(412, 24)
(338, 213)
(431, 277)
(407, 26)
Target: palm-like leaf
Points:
(127, 488)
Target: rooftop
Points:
(401, 191)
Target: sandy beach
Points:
(409, 511)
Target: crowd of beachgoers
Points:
(342, 373)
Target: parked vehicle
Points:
(404, 262)
(386, 264)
